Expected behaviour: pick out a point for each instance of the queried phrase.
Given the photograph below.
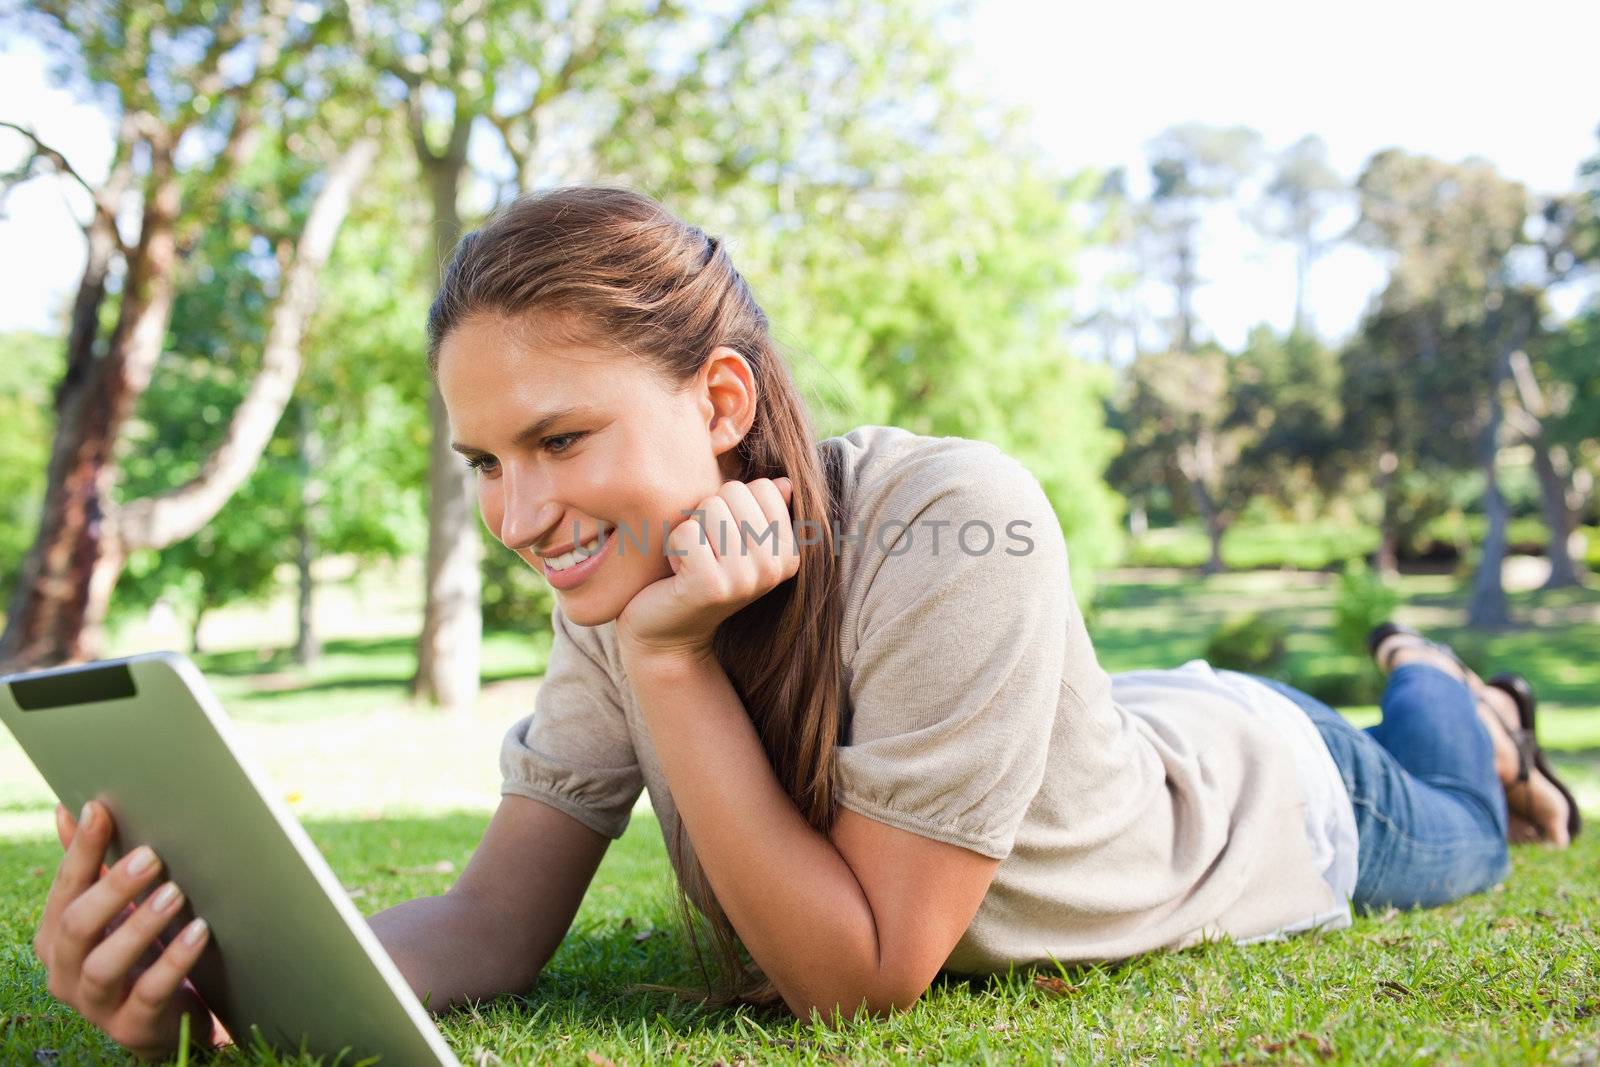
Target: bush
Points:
(1342, 687)
(1253, 643)
(515, 597)
(1364, 599)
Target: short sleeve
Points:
(956, 679)
(574, 752)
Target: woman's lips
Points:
(568, 577)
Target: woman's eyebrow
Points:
(540, 425)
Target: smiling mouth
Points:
(581, 553)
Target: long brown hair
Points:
(616, 268)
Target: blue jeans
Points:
(1430, 810)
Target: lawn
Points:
(397, 800)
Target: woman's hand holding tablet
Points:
(102, 949)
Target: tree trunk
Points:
(1302, 274)
(1388, 561)
(449, 646)
(1214, 531)
(194, 633)
(1184, 283)
(1555, 489)
(1558, 519)
(1487, 608)
(65, 584)
(60, 606)
(306, 646)
(1197, 460)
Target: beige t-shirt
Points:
(981, 717)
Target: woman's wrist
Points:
(641, 662)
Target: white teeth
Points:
(582, 552)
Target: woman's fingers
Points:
(765, 533)
(688, 548)
(105, 970)
(773, 497)
(151, 997)
(78, 870)
(82, 924)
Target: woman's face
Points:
(569, 440)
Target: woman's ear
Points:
(729, 397)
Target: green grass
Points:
(1509, 976)
(1316, 545)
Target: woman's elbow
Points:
(878, 1004)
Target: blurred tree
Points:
(1174, 412)
(1221, 431)
(1568, 237)
(1193, 166)
(912, 258)
(1118, 312)
(355, 426)
(214, 82)
(1452, 230)
(1406, 423)
(1304, 187)
(1564, 395)
(1285, 391)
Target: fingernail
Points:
(87, 815)
(141, 861)
(165, 897)
(194, 932)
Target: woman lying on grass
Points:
(854, 679)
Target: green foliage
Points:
(30, 364)
(1254, 642)
(515, 597)
(930, 290)
(1255, 546)
(1572, 355)
(1455, 533)
(1219, 431)
(1340, 685)
(179, 419)
(1364, 599)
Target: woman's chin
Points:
(595, 604)
(585, 610)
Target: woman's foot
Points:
(1541, 809)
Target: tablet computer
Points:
(289, 953)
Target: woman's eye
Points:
(564, 440)
(481, 464)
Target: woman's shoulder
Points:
(892, 461)
(921, 512)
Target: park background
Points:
(1295, 320)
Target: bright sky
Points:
(1514, 84)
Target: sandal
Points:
(1529, 755)
(1527, 706)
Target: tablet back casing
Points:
(289, 953)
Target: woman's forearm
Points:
(448, 949)
(793, 899)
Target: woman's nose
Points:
(530, 510)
